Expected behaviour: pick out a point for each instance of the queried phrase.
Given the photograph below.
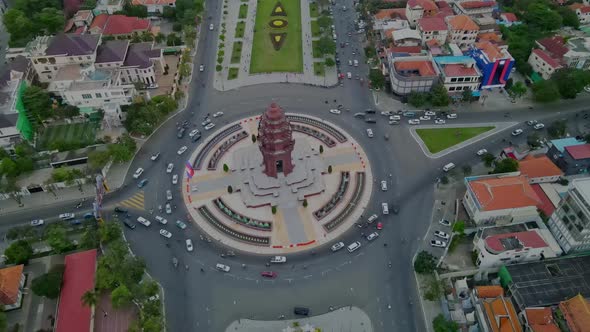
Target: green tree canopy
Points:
(425, 263)
(540, 16)
(439, 96)
(570, 81)
(330, 62)
(568, 16)
(324, 21)
(121, 297)
(545, 91)
(90, 238)
(326, 45)
(518, 89)
(506, 165)
(50, 20)
(440, 324)
(109, 231)
(57, 238)
(417, 99)
(49, 284)
(19, 252)
(37, 102)
(557, 129)
(377, 79)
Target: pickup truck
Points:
(278, 259)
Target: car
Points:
(278, 259)
(372, 218)
(175, 179)
(481, 152)
(180, 224)
(385, 208)
(201, 68)
(448, 167)
(180, 133)
(409, 114)
(193, 133)
(142, 183)
(370, 120)
(217, 114)
(222, 267)
(372, 236)
(353, 246)
(395, 118)
(337, 246)
(37, 222)
(444, 222)
(138, 173)
(538, 126)
(67, 216)
(439, 121)
(335, 111)
(438, 244)
(268, 274)
(360, 115)
(119, 209)
(165, 233)
(384, 185)
(350, 62)
(370, 133)
(430, 113)
(531, 122)
(379, 226)
(168, 208)
(587, 88)
(452, 116)
(517, 132)
(425, 118)
(370, 111)
(155, 156)
(211, 27)
(181, 150)
(209, 126)
(161, 220)
(128, 224)
(169, 168)
(301, 311)
(168, 195)
(144, 221)
(196, 137)
(348, 75)
(393, 122)
(189, 245)
(414, 122)
(386, 113)
(441, 234)
(355, 63)
(206, 122)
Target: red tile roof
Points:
(501, 315)
(489, 36)
(541, 320)
(491, 50)
(579, 151)
(406, 49)
(477, 4)
(554, 45)
(458, 70)
(528, 239)
(510, 17)
(576, 5)
(463, 22)
(434, 23)
(72, 315)
(427, 5)
(547, 206)
(10, 284)
(485, 292)
(577, 313)
(119, 24)
(423, 67)
(546, 58)
(585, 9)
(538, 167)
(500, 193)
(384, 14)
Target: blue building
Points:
(494, 62)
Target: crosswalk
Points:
(134, 202)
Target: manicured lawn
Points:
(232, 74)
(440, 139)
(316, 50)
(315, 29)
(240, 26)
(313, 10)
(236, 52)
(319, 69)
(81, 134)
(243, 11)
(289, 57)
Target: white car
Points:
(217, 114)
(517, 132)
(175, 179)
(414, 122)
(209, 126)
(138, 173)
(538, 126)
(211, 27)
(168, 195)
(386, 113)
(437, 243)
(384, 185)
(165, 233)
(37, 222)
(161, 220)
(448, 167)
(370, 133)
(445, 222)
(481, 152)
(350, 62)
(201, 68)
(430, 113)
(425, 118)
(372, 236)
(168, 208)
(395, 118)
(169, 168)
(155, 157)
(353, 246)
(67, 216)
(349, 75)
(222, 267)
(442, 235)
(193, 133)
(144, 221)
(181, 150)
(385, 208)
(278, 259)
(337, 246)
(206, 122)
(439, 121)
(189, 245)
(587, 88)
(335, 111)
(372, 219)
(451, 116)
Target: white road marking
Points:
(249, 279)
(289, 280)
(308, 276)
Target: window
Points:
(86, 96)
(454, 79)
(88, 57)
(452, 88)
(98, 95)
(79, 58)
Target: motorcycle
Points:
(175, 262)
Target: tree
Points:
(134, 10)
(9, 168)
(90, 238)
(329, 62)
(370, 52)
(98, 159)
(545, 91)
(439, 96)
(121, 297)
(19, 26)
(324, 22)
(37, 103)
(49, 284)
(568, 16)
(169, 12)
(18, 252)
(151, 324)
(50, 20)
(230, 189)
(4, 322)
(533, 140)
(440, 324)
(417, 99)
(305, 203)
(225, 168)
(506, 165)
(321, 149)
(539, 15)
(557, 129)
(488, 159)
(109, 232)
(377, 79)
(326, 45)
(433, 289)
(570, 81)
(466, 170)
(253, 138)
(425, 263)
(273, 209)
(330, 169)
(173, 40)
(518, 89)
(467, 95)
(459, 227)
(90, 298)
(57, 238)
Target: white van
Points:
(448, 167)
(356, 63)
(143, 221)
(353, 246)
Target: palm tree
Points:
(90, 298)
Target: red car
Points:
(269, 274)
(379, 226)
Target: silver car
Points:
(169, 168)
(169, 195)
(168, 208)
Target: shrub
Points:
(225, 168)
(274, 209)
(218, 68)
(305, 203)
(49, 284)
(230, 189)
(330, 169)
(253, 138)
(425, 263)
(321, 149)
(18, 252)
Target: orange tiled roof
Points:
(541, 320)
(424, 68)
(538, 167)
(576, 5)
(384, 14)
(10, 283)
(501, 315)
(504, 193)
(463, 22)
(577, 313)
(427, 5)
(489, 36)
(484, 292)
(490, 49)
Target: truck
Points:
(278, 259)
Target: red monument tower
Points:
(275, 140)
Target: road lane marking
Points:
(308, 276)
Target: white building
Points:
(474, 8)
(155, 6)
(433, 28)
(412, 73)
(416, 9)
(500, 199)
(462, 30)
(458, 73)
(406, 37)
(543, 63)
(570, 223)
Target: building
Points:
(416, 9)
(494, 61)
(574, 53)
(543, 64)
(557, 146)
(411, 73)
(406, 37)
(474, 8)
(500, 199)
(539, 169)
(495, 312)
(583, 13)
(14, 123)
(576, 312)
(118, 25)
(109, 6)
(384, 16)
(433, 28)
(276, 143)
(78, 278)
(539, 319)
(12, 283)
(508, 19)
(155, 6)
(574, 159)
(570, 222)
(458, 73)
(462, 30)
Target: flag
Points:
(190, 172)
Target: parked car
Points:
(517, 132)
(209, 126)
(393, 122)
(385, 208)
(193, 133)
(161, 220)
(425, 118)
(37, 222)
(414, 122)
(439, 121)
(531, 122)
(372, 219)
(168, 208)
(165, 233)
(353, 246)
(181, 150)
(444, 222)
(430, 113)
(278, 259)
(175, 179)
(448, 167)
(481, 152)
(206, 122)
(119, 209)
(201, 68)
(268, 274)
(452, 116)
(180, 133)
(196, 137)
(409, 114)
(441, 234)
(335, 111)
(384, 185)
(138, 173)
(301, 311)
(437, 243)
(217, 114)
(155, 156)
(370, 132)
(67, 216)
(144, 221)
(211, 27)
(395, 118)
(538, 126)
(379, 226)
(386, 113)
(169, 168)
(142, 183)
(222, 267)
(128, 224)
(337, 246)
(189, 245)
(372, 236)
(180, 224)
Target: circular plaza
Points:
(277, 183)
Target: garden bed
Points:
(313, 10)
(319, 69)
(240, 26)
(437, 139)
(315, 29)
(233, 73)
(243, 11)
(236, 52)
(316, 51)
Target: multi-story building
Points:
(570, 222)
(576, 312)
(500, 199)
(406, 37)
(458, 73)
(539, 319)
(539, 169)
(583, 13)
(574, 53)
(14, 123)
(155, 6)
(433, 28)
(416, 9)
(474, 8)
(12, 282)
(109, 6)
(494, 61)
(118, 25)
(573, 159)
(493, 311)
(462, 30)
(411, 73)
(543, 64)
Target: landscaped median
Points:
(439, 139)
